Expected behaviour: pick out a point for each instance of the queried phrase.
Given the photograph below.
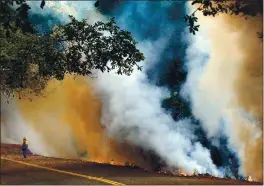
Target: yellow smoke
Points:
(248, 87)
(235, 65)
(70, 109)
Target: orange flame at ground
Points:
(249, 179)
(182, 173)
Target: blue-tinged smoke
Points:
(56, 12)
(44, 23)
(150, 23)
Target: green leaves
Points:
(101, 46)
(214, 7)
(29, 60)
(18, 55)
(196, 2)
(19, 16)
(96, 4)
(42, 4)
(190, 20)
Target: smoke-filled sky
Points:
(216, 73)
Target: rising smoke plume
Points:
(71, 105)
(132, 112)
(131, 106)
(226, 92)
(65, 122)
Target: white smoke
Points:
(14, 128)
(210, 80)
(132, 111)
(207, 95)
(213, 67)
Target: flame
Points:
(249, 179)
(182, 173)
(174, 172)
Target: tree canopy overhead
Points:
(28, 59)
(244, 8)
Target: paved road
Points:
(19, 174)
(52, 171)
(15, 171)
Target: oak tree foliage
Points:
(28, 59)
(244, 8)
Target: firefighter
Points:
(25, 147)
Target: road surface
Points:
(51, 171)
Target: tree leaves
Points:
(214, 7)
(89, 48)
(7, 33)
(196, 2)
(96, 4)
(29, 60)
(18, 16)
(190, 20)
(42, 4)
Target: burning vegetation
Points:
(75, 105)
(249, 178)
(174, 172)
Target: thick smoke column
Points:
(74, 105)
(132, 111)
(63, 123)
(132, 106)
(145, 122)
(226, 92)
(248, 89)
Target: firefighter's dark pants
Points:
(25, 150)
